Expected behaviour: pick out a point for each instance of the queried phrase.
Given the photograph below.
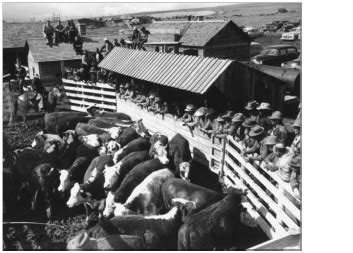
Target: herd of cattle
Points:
(147, 190)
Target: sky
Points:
(24, 11)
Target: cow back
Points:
(178, 188)
(50, 119)
(87, 129)
(138, 144)
(179, 151)
(127, 135)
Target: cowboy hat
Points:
(238, 117)
(264, 106)
(151, 96)
(297, 123)
(251, 105)
(220, 120)
(228, 115)
(249, 123)
(295, 162)
(190, 108)
(200, 112)
(256, 131)
(210, 111)
(279, 147)
(276, 115)
(271, 140)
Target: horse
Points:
(27, 101)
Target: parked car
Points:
(295, 64)
(275, 55)
(255, 49)
(292, 35)
(253, 32)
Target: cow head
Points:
(91, 140)
(160, 152)
(38, 139)
(109, 205)
(111, 175)
(115, 132)
(69, 136)
(185, 206)
(103, 150)
(184, 170)
(47, 178)
(93, 176)
(140, 128)
(65, 181)
(112, 146)
(77, 196)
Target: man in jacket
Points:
(106, 47)
(48, 33)
(278, 129)
(59, 33)
(136, 35)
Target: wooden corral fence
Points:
(270, 200)
(81, 95)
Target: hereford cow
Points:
(46, 140)
(69, 123)
(146, 198)
(109, 122)
(158, 232)
(114, 175)
(213, 227)
(178, 188)
(139, 173)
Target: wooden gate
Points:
(81, 95)
(271, 201)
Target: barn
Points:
(218, 38)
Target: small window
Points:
(283, 52)
(292, 51)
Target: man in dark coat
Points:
(106, 47)
(77, 45)
(143, 37)
(59, 33)
(48, 32)
(37, 84)
(136, 35)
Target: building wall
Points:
(229, 43)
(50, 73)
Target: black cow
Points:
(115, 175)
(138, 174)
(51, 119)
(175, 188)
(180, 156)
(94, 112)
(87, 129)
(214, 227)
(139, 144)
(69, 123)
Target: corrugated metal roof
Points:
(191, 73)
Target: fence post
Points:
(280, 202)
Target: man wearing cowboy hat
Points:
(102, 76)
(98, 57)
(252, 143)
(155, 105)
(207, 125)
(37, 84)
(250, 109)
(48, 33)
(296, 144)
(21, 74)
(266, 148)
(278, 129)
(112, 78)
(228, 116)
(121, 90)
(295, 179)
(106, 47)
(78, 45)
(130, 93)
(92, 75)
(218, 128)
(263, 117)
(198, 118)
(235, 129)
(149, 101)
(187, 117)
(279, 159)
(135, 37)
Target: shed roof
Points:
(63, 51)
(191, 73)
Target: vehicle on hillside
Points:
(292, 35)
(253, 32)
(275, 55)
(255, 49)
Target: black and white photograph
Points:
(152, 126)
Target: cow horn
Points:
(51, 171)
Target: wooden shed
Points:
(221, 39)
(50, 62)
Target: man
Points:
(93, 75)
(122, 90)
(148, 102)
(78, 45)
(252, 142)
(278, 129)
(218, 128)
(136, 35)
(130, 94)
(143, 38)
(48, 33)
(98, 57)
(279, 161)
(155, 105)
(106, 47)
(36, 83)
(112, 78)
(164, 108)
(247, 125)
(38, 98)
(295, 175)
(187, 117)
(266, 148)
(102, 76)
(296, 142)
(250, 109)
(263, 116)
(72, 31)
(59, 33)
(21, 74)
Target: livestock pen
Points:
(270, 201)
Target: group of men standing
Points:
(60, 33)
